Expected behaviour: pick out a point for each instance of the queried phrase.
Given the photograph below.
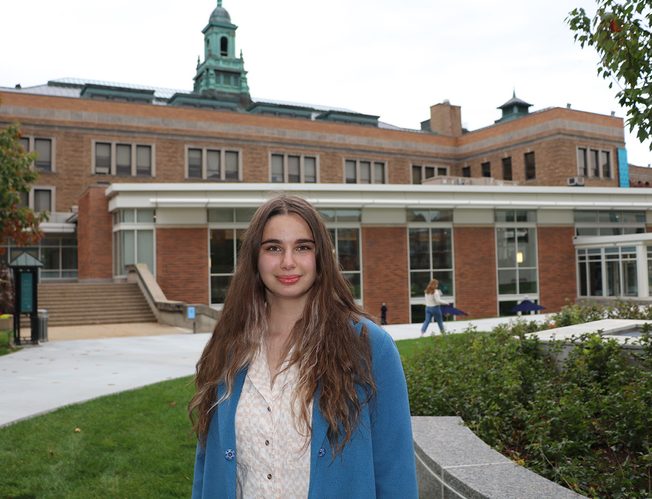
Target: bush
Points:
(588, 426)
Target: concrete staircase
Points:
(70, 304)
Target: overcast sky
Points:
(389, 58)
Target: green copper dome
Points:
(219, 14)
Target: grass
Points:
(133, 444)
(407, 348)
(5, 343)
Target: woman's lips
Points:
(288, 279)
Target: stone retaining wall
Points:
(453, 463)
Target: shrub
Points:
(587, 426)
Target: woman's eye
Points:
(273, 249)
(304, 247)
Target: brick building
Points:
(170, 178)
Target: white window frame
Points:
(534, 296)
(114, 159)
(31, 144)
(204, 162)
(133, 226)
(302, 171)
(372, 173)
(420, 299)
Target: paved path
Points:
(39, 379)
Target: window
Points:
(344, 229)
(293, 168)
(111, 158)
(227, 228)
(530, 166)
(420, 173)
(466, 171)
(133, 239)
(507, 168)
(593, 163)
(44, 152)
(486, 169)
(516, 255)
(213, 164)
(608, 271)
(364, 172)
(224, 46)
(38, 199)
(609, 222)
(58, 252)
(430, 239)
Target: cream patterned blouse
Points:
(273, 454)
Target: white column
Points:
(641, 271)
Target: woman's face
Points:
(286, 260)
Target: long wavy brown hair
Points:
(329, 353)
(432, 285)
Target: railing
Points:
(170, 312)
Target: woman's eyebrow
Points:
(278, 241)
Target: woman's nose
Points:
(288, 260)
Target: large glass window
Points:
(424, 172)
(507, 168)
(608, 222)
(430, 240)
(133, 239)
(58, 252)
(228, 226)
(344, 228)
(593, 162)
(608, 272)
(44, 152)
(516, 255)
(123, 159)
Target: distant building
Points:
(170, 178)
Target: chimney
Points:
(446, 119)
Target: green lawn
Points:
(5, 345)
(136, 444)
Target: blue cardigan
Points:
(378, 461)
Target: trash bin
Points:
(40, 326)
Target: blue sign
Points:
(190, 313)
(26, 293)
(623, 167)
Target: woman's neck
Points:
(282, 316)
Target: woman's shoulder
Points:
(376, 334)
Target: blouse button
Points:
(269, 476)
(266, 442)
(269, 409)
(322, 452)
(229, 454)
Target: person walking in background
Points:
(298, 393)
(433, 310)
(383, 314)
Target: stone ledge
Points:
(453, 463)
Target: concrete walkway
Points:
(114, 358)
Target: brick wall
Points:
(94, 236)
(385, 274)
(475, 271)
(182, 264)
(557, 268)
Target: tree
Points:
(621, 34)
(18, 223)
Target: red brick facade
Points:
(384, 257)
(475, 270)
(94, 236)
(182, 264)
(557, 271)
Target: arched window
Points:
(224, 46)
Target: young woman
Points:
(298, 393)
(433, 302)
